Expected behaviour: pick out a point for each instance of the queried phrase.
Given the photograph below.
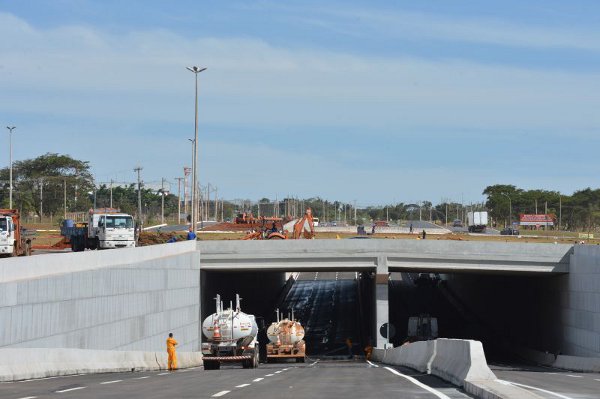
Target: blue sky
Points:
(370, 101)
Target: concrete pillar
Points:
(381, 299)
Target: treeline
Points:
(52, 182)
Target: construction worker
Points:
(368, 351)
(171, 343)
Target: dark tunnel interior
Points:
(502, 311)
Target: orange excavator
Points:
(294, 229)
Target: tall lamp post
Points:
(509, 210)
(10, 130)
(196, 70)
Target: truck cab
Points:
(111, 230)
(7, 235)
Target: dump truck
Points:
(105, 228)
(286, 338)
(14, 239)
(231, 337)
(477, 221)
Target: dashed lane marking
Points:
(110, 382)
(278, 371)
(257, 379)
(558, 395)
(372, 364)
(285, 369)
(313, 363)
(220, 394)
(70, 389)
(242, 385)
(574, 376)
(163, 374)
(142, 378)
(269, 375)
(29, 397)
(418, 383)
(596, 379)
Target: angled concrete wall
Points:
(579, 306)
(125, 299)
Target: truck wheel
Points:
(28, 249)
(14, 251)
(254, 364)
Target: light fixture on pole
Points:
(196, 70)
(10, 130)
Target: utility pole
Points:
(139, 179)
(446, 214)
(179, 179)
(41, 199)
(162, 200)
(10, 130)
(355, 220)
(559, 211)
(111, 203)
(216, 202)
(65, 196)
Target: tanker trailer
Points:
(231, 337)
(286, 340)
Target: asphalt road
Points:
(550, 383)
(348, 380)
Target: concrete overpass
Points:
(385, 256)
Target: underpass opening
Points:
(331, 306)
(504, 312)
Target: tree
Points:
(43, 179)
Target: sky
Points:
(376, 102)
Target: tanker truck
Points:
(286, 340)
(231, 337)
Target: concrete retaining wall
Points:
(28, 363)
(458, 360)
(125, 299)
(579, 296)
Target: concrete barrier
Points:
(28, 363)
(565, 362)
(460, 360)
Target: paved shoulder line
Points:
(558, 395)
(419, 383)
(372, 364)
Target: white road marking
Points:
(574, 376)
(418, 383)
(372, 364)
(257, 379)
(596, 379)
(142, 378)
(313, 363)
(286, 369)
(242, 386)
(220, 394)
(269, 375)
(538, 389)
(278, 371)
(110, 382)
(70, 389)
(29, 397)
(163, 374)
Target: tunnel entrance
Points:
(502, 311)
(331, 306)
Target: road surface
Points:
(317, 379)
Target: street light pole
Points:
(196, 70)
(10, 130)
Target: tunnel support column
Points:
(381, 300)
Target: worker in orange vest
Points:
(171, 343)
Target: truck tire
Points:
(28, 248)
(254, 363)
(14, 251)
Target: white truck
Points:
(106, 228)
(231, 337)
(14, 241)
(477, 221)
